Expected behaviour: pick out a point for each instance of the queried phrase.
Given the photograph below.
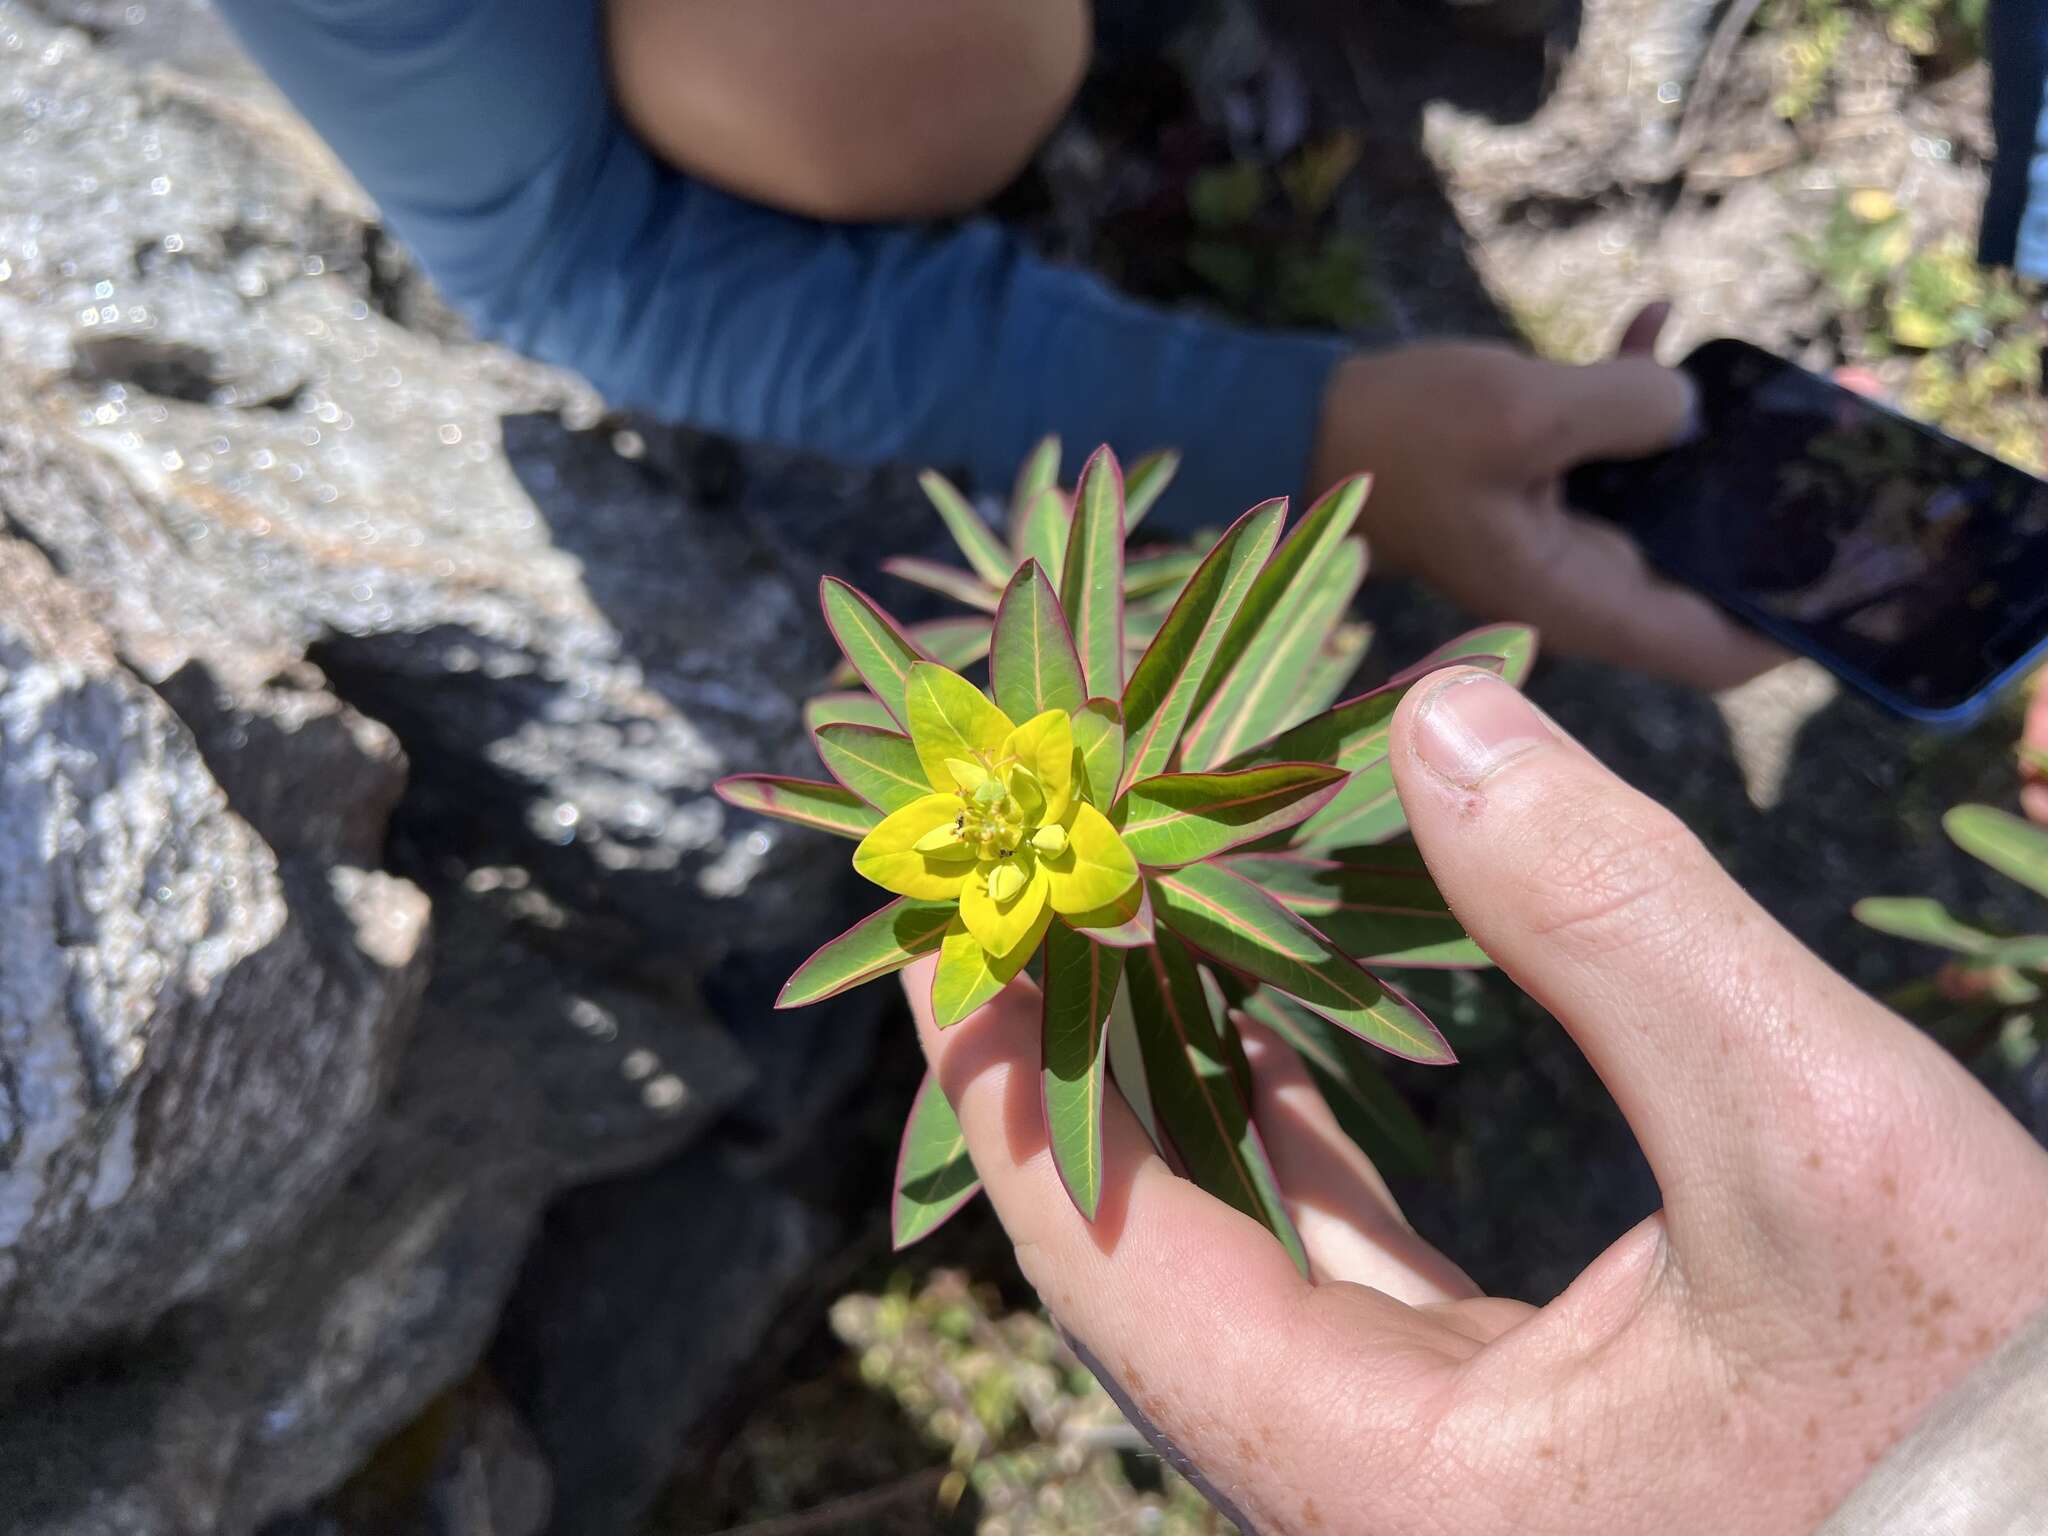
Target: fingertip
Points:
(1467, 725)
(1639, 336)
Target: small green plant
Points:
(1994, 979)
(1025, 1426)
(1972, 336)
(1176, 831)
(1261, 246)
(1812, 33)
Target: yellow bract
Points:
(1005, 832)
(893, 855)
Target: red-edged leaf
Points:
(1226, 916)
(1080, 985)
(880, 943)
(880, 766)
(874, 644)
(1092, 577)
(1039, 473)
(1295, 601)
(1041, 532)
(1099, 738)
(1032, 665)
(946, 580)
(1168, 676)
(1146, 483)
(1189, 1070)
(935, 1177)
(1177, 818)
(984, 551)
(1379, 905)
(957, 642)
(1125, 923)
(826, 807)
(1513, 646)
(847, 708)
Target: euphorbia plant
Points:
(1180, 835)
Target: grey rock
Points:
(369, 610)
(160, 1128)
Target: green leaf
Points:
(1226, 916)
(946, 580)
(1195, 1093)
(1092, 578)
(1353, 735)
(984, 551)
(1513, 646)
(826, 807)
(1265, 692)
(957, 642)
(1292, 604)
(1177, 818)
(1923, 920)
(1127, 1065)
(847, 709)
(1327, 675)
(1378, 905)
(934, 1175)
(1367, 1106)
(1080, 985)
(1099, 738)
(964, 979)
(879, 766)
(880, 943)
(2015, 848)
(1156, 576)
(1146, 483)
(1039, 473)
(1042, 530)
(2028, 954)
(1168, 676)
(880, 653)
(1032, 665)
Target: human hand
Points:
(1467, 443)
(1850, 1221)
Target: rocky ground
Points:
(393, 1132)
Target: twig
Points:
(1706, 84)
(836, 1513)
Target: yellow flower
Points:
(1006, 831)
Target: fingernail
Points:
(1472, 725)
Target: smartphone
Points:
(1912, 566)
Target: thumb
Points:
(1623, 408)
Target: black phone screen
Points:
(1910, 561)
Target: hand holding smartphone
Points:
(1912, 566)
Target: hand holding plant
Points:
(1850, 1222)
(1156, 804)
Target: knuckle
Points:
(1604, 878)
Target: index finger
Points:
(1193, 1311)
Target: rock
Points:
(160, 1129)
(362, 615)
(628, 1326)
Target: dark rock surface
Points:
(315, 616)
